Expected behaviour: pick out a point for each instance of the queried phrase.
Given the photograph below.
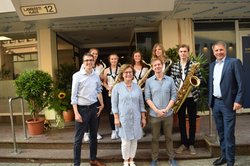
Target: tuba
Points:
(190, 81)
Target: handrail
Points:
(210, 123)
(12, 122)
(211, 134)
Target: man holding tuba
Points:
(181, 72)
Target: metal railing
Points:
(12, 122)
(211, 134)
(210, 123)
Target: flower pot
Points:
(35, 127)
(68, 115)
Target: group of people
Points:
(131, 86)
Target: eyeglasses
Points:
(128, 72)
(88, 60)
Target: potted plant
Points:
(64, 81)
(35, 87)
(59, 101)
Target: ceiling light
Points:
(2, 38)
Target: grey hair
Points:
(219, 43)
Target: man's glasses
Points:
(88, 60)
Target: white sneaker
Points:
(192, 149)
(114, 135)
(125, 163)
(132, 163)
(86, 137)
(99, 136)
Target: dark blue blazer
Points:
(231, 84)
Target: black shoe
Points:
(230, 164)
(220, 161)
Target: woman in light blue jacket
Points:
(129, 112)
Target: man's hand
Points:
(160, 113)
(237, 106)
(78, 118)
(100, 108)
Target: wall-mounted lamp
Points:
(205, 46)
(230, 46)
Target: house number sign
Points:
(38, 9)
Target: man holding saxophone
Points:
(181, 72)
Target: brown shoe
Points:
(96, 163)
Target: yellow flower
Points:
(61, 95)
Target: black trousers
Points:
(191, 108)
(109, 110)
(88, 113)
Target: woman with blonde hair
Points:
(129, 113)
(110, 76)
(158, 51)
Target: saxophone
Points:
(104, 66)
(117, 80)
(190, 81)
(144, 78)
(167, 67)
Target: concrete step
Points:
(102, 144)
(107, 155)
(214, 146)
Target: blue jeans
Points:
(225, 123)
(89, 115)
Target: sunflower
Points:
(61, 95)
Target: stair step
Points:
(66, 155)
(102, 144)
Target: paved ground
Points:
(240, 161)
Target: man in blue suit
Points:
(225, 97)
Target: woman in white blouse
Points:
(140, 67)
(110, 76)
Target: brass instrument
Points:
(167, 67)
(117, 80)
(144, 78)
(104, 67)
(190, 81)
